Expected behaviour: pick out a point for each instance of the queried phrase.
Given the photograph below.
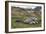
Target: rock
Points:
(31, 20)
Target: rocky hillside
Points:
(17, 11)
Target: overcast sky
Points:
(26, 7)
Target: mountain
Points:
(17, 11)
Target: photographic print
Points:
(25, 16)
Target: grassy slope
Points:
(23, 25)
(23, 16)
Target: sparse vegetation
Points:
(21, 14)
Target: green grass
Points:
(22, 24)
(17, 13)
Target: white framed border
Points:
(25, 29)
